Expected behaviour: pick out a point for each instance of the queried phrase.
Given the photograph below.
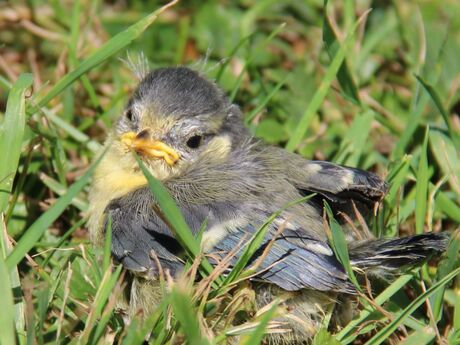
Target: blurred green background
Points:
(271, 58)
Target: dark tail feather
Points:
(385, 255)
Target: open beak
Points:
(150, 148)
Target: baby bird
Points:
(192, 138)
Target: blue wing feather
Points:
(290, 264)
(295, 261)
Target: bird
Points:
(192, 138)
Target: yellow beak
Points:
(152, 149)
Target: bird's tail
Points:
(385, 256)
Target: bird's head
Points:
(175, 118)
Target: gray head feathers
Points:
(180, 92)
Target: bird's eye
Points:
(194, 142)
(129, 114)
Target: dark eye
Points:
(194, 142)
(129, 114)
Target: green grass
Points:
(369, 84)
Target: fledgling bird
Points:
(192, 138)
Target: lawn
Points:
(367, 84)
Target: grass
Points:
(368, 84)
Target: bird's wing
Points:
(294, 262)
(337, 184)
(139, 236)
(334, 180)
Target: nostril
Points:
(144, 134)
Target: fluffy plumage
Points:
(234, 182)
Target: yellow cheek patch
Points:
(150, 148)
(220, 146)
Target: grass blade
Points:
(447, 206)
(421, 192)
(457, 319)
(183, 310)
(15, 285)
(264, 102)
(108, 49)
(437, 101)
(75, 133)
(60, 190)
(323, 337)
(176, 221)
(339, 245)
(7, 335)
(385, 332)
(420, 337)
(323, 88)
(396, 177)
(343, 75)
(249, 60)
(412, 122)
(385, 295)
(172, 212)
(257, 335)
(354, 141)
(255, 242)
(11, 134)
(36, 230)
(446, 266)
(105, 289)
(447, 157)
(253, 245)
(232, 53)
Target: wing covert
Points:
(295, 261)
